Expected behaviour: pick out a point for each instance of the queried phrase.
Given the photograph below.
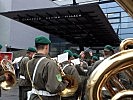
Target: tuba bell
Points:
(9, 70)
(105, 78)
(71, 87)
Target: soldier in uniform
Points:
(107, 52)
(25, 85)
(69, 68)
(83, 69)
(44, 74)
(93, 60)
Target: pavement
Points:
(12, 94)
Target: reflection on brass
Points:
(124, 44)
(8, 69)
(122, 94)
(105, 77)
(71, 88)
(72, 85)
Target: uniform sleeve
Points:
(94, 66)
(75, 74)
(54, 83)
(23, 65)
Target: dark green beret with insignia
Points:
(95, 58)
(31, 49)
(0, 46)
(42, 40)
(108, 48)
(69, 53)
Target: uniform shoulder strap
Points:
(33, 77)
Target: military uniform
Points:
(44, 74)
(47, 78)
(71, 70)
(83, 69)
(24, 84)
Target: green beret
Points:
(69, 53)
(31, 49)
(108, 48)
(95, 58)
(42, 40)
(75, 55)
(0, 46)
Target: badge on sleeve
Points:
(59, 78)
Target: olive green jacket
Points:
(47, 76)
(23, 72)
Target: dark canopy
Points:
(85, 25)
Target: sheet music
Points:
(76, 61)
(16, 60)
(62, 57)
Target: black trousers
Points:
(69, 98)
(35, 97)
(23, 92)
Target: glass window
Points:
(128, 30)
(126, 25)
(115, 26)
(123, 14)
(126, 19)
(86, 1)
(114, 9)
(114, 20)
(107, 5)
(110, 15)
(124, 36)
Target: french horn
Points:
(9, 70)
(105, 78)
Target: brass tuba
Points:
(105, 78)
(9, 70)
(72, 86)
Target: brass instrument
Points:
(9, 70)
(105, 76)
(72, 85)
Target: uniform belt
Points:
(22, 77)
(40, 92)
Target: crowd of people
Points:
(40, 77)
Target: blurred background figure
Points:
(93, 60)
(107, 52)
